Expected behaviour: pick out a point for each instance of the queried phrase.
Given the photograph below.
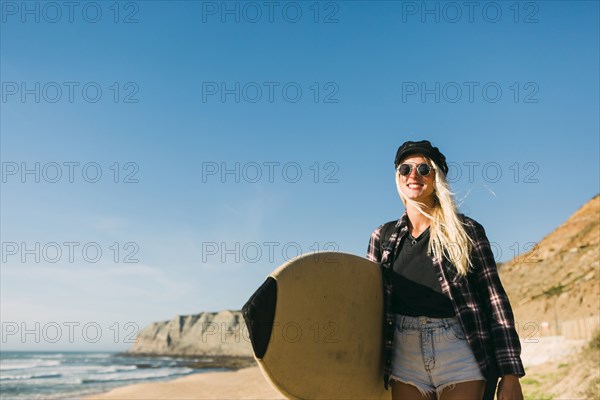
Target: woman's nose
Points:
(413, 173)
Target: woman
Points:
(448, 326)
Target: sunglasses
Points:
(422, 169)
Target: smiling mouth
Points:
(414, 185)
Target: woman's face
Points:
(415, 186)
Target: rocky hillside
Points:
(558, 280)
(211, 334)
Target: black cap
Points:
(421, 147)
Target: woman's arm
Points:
(509, 388)
(505, 338)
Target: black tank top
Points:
(417, 291)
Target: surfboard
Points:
(315, 326)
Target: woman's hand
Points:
(509, 388)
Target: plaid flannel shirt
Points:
(479, 300)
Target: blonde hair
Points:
(448, 237)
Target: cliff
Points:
(208, 333)
(558, 280)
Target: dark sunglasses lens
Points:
(404, 169)
(423, 169)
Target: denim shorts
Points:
(432, 354)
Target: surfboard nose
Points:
(259, 313)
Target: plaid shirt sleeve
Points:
(373, 251)
(491, 292)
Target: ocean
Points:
(72, 375)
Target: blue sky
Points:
(510, 90)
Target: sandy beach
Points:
(246, 383)
(249, 383)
